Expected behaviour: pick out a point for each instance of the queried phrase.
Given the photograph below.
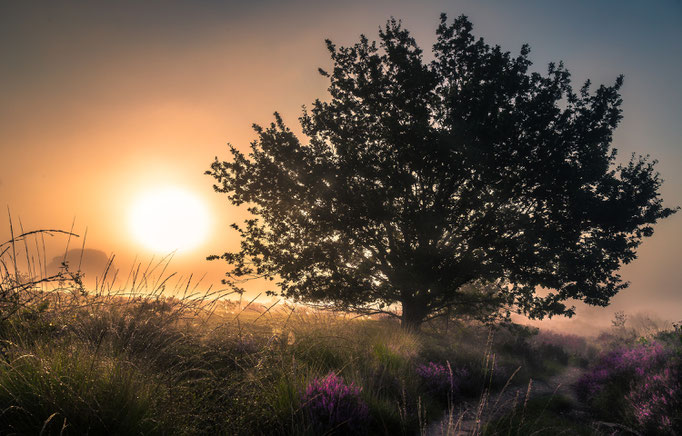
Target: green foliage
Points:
(387, 417)
(455, 186)
(387, 358)
(325, 353)
(673, 338)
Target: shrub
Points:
(621, 367)
(656, 402)
(437, 378)
(639, 385)
(331, 405)
(564, 348)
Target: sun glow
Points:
(169, 219)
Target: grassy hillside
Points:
(74, 361)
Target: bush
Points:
(441, 381)
(438, 379)
(621, 368)
(331, 405)
(657, 402)
(638, 385)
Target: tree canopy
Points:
(466, 184)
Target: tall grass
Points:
(158, 356)
(66, 388)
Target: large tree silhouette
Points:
(464, 184)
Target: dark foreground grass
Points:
(542, 415)
(112, 365)
(59, 387)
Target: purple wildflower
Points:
(622, 366)
(647, 376)
(439, 379)
(656, 400)
(330, 404)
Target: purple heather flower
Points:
(656, 399)
(330, 404)
(440, 379)
(655, 389)
(623, 364)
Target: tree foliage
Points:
(464, 183)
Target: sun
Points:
(169, 219)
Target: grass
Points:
(134, 366)
(134, 361)
(542, 415)
(66, 387)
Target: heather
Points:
(437, 378)
(656, 401)
(622, 367)
(332, 405)
(638, 384)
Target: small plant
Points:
(437, 377)
(441, 380)
(619, 319)
(332, 405)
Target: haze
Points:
(102, 100)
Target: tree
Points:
(459, 184)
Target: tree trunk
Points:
(413, 315)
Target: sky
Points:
(102, 102)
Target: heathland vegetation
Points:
(137, 361)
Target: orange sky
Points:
(99, 101)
